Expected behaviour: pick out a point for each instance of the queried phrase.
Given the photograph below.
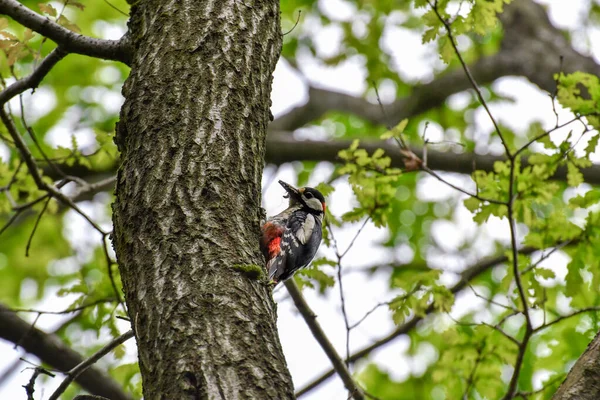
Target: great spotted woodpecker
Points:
(290, 239)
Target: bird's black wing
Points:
(296, 236)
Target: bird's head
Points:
(310, 198)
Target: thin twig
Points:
(400, 139)
(469, 75)
(77, 370)
(498, 329)
(545, 256)
(13, 178)
(435, 175)
(562, 318)
(551, 382)
(471, 378)
(109, 265)
(37, 221)
(30, 387)
(355, 237)
(368, 313)
(295, 25)
(115, 8)
(555, 93)
(344, 313)
(67, 311)
(341, 288)
(512, 386)
(491, 301)
(548, 132)
(26, 334)
(10, 221)
(29, 130)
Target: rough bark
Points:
(583, 381)
(192, 140)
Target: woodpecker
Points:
(290, 239)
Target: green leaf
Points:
(472, 204)
(545, 273)
(47, 8)
(574, 279)
(592, 144)
(429, 35)
(590, 198)
(574, 176)
(397, 131)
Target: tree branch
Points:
(33, 80)
(423, 97)
(117, 50)
(311, 320)
(84, 365)
(30, 387)
(51, 350)
(282, 148)
(532, 47)
(538, 48)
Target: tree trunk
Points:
(187, 212)
(583, 381)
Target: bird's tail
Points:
(273, 266)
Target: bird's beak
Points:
(291, 191)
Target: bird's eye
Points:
(308, 195)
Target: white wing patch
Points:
(305, 232)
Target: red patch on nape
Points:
(324, 207)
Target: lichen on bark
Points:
(192, 141)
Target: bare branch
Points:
(453, 186)
(37, 222)
(282, 148)
(30, 387)
(422, 98)
(51, 350)
(311, 320)
(71, 42)
(67, 311)
(532, 47)
(340, 256)
(512, 386)
(80, 368)
(368, 313)
(562, 318)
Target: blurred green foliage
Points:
(470, 358)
